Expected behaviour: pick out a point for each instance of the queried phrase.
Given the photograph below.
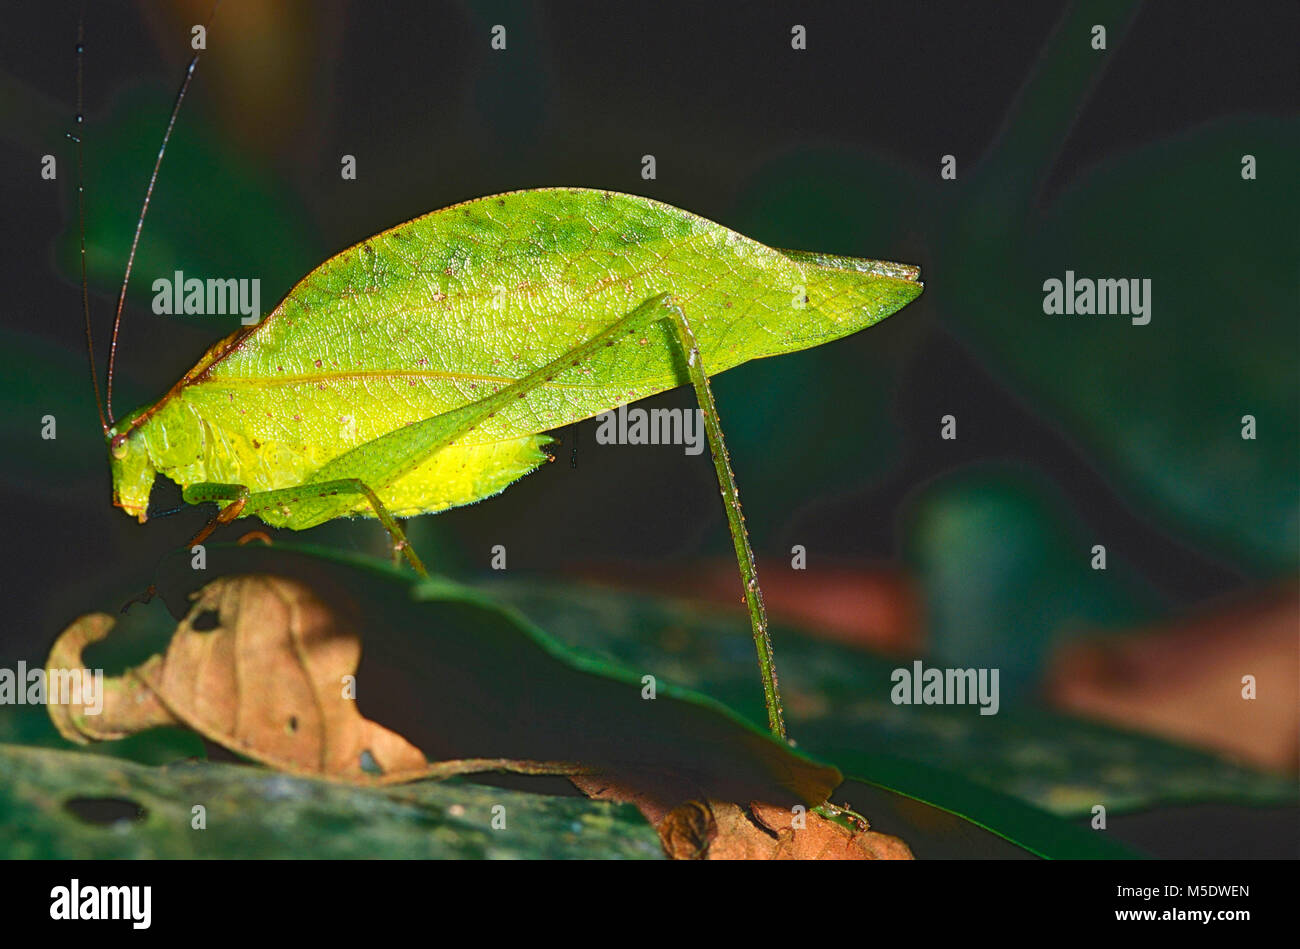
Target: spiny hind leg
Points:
(663, 308)
(685, 337)
(243, 503)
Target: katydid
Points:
(420, 369)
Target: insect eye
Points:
(118, 447)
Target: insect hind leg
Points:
(665, 309)
(677, 321)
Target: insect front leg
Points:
(235, 496)
(243, 503)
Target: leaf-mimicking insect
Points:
(420, 369)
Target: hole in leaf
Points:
(104, 810)
(206, 621)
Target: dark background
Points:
(1071, 431)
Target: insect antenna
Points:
(144, 210)
(81, 215)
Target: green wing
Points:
(433, 314)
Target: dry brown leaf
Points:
(692, 829)
(1183, 680)
(721, 830)
(258, 666)
(655, 795)
(270, 680)
(688, 832)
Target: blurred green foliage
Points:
(225, 215)
(1007, 573)
(1158, 407)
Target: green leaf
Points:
(1041, 833)
(68, 805)
(838, 703)
(464, 677)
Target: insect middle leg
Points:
(242, 502)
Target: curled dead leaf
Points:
(261, 666)
(128, 704)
